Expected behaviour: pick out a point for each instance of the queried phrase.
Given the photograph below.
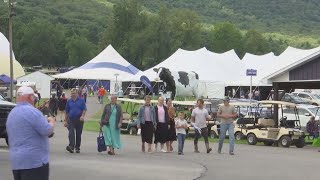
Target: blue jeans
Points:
(223, 130)
(181, 138)
(101, 99)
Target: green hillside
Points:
(286, 16)
(70, 32)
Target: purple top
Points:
(161, 114)
(147, 116)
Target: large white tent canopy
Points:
(5, 59)
(108, 65)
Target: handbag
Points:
(101, 143)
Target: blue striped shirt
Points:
(28, 132)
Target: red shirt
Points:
(101, 92)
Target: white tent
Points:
(104, 66)
(42, 81)
(108, 65)
(264, 64)
(5, 59)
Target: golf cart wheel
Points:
(300, 143)
(133, 131)
(268, 143)
(252, 139)
(7, 140)
(238, 136)
(285, 141)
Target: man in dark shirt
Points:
(74, 118)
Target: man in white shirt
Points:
(199, 117)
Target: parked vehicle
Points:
(129, 125)
(288, 133)
(314, 98)
(5, 108)
(294, 99)
(304, 112)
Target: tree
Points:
(186, 30)
(224, 37)
(80, 50)
(255, 43)
(42, 43)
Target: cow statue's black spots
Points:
(180, 83)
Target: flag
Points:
(146, 82)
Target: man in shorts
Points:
(199, 118)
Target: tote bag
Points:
(101, 145)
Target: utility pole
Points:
(12, 13)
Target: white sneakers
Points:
(164, 151)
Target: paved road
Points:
(250, 162)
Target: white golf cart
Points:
(265, 130)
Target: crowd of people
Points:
(29, 131)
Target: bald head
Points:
(113, 99)
(29, 98)
(160, 101)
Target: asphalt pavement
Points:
(249, 163)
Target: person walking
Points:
(111, 121)
(62, 106)
(74, 119)
(181, 124)
(101, 94)
(172, 136)
(162, 120)
(28, 132)
(147, 123)
(199, 117)
(53, 104)
(227, 113)
(85, 93)
(313, 127)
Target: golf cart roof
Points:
(141, 101)
(278, 102)
(243, 104)
(189, 103)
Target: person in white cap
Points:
(28, 132)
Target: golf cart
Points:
(129, 124)
(265, 130)
(246, 117)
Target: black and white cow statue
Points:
(180, 83)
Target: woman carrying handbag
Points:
(111, 121)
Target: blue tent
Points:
(4, 79)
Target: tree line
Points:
(142, 37)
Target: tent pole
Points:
(74, 83)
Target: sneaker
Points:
(209, 150)
(78, 151)
(164, 151)
(179, 153)
(219, 151)
(231, 153)
(68, 148)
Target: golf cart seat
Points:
(264, 123)
(244, 121)
(126, 116)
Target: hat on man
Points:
(226, 98)
(25, 90)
